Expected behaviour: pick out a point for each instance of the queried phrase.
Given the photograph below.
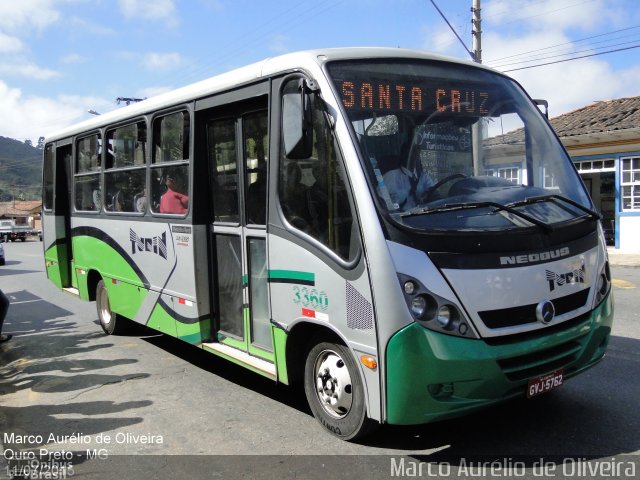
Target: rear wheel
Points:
(110, 322)
(335, 392)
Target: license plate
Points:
(544, 383)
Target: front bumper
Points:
(432, 376)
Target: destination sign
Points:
(397, 97)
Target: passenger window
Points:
(125, 191)
(88, 154)
(256, 149)
(125, 172)
(170, 182)
(170, 190)
(314, 194)
(221, 140)
(171, 138)
(126, 146)
(49, 159)
(88, 196)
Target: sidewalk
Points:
(622, 258)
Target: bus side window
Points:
(314, 195)
(170, 183)
(87, 176)
(221, 142)
(256, 147)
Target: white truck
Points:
(10, 231)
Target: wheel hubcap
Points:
(105, 309)
(333, 384)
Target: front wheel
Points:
(335, 392)
(110, 322)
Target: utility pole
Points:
(477, 130)
(476, 32)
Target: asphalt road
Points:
(66, 387)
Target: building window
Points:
(589, 166)
(630, 183)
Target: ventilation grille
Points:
(359, 311)
(544, 361)
(511, 317)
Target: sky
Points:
(61, 58)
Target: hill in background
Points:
(20, 170)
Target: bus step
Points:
(72, 291)
(262, 366)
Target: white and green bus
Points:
(401, 233)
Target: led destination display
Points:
(396, 97)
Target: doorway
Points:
(601, 187)
(237, 149)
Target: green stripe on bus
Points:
(291, 276)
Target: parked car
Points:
(9, 230)
(1, 254)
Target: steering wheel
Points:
(432, 190)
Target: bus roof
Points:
(305, 60)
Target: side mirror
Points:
(297, 130)
(542, 103)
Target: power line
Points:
(566, 43)
(545, 13)
(570, 59)
(573, 52)
(296, 17)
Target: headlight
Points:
(603, 285)
(434, 312)
(444, 317)
(409, 287)
(418, 306)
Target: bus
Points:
(401, 234)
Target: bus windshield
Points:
(453, 147)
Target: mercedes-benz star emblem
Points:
(545, 312)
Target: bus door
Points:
(237, 145)
(57, 214)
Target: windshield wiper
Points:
(450, 207)
(543, 198)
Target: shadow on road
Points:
(581, 418)
(4, 271)
(42, 359)
(287, 395)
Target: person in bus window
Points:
(140, 201)
(405, 189)
(119, 197)
(173, 200)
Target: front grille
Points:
(522, 315)
(539, 333)
(540, 362)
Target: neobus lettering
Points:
(535, 257)
(386, 96)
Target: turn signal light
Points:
(369, 361)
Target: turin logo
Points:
(558, 279)
(157, 244)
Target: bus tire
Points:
(335, 391)
(110, 322)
